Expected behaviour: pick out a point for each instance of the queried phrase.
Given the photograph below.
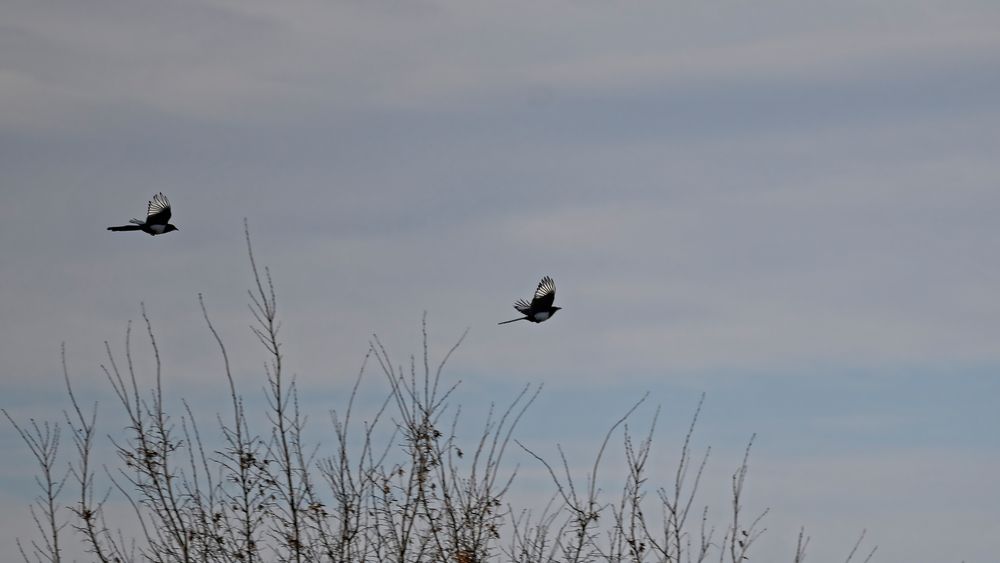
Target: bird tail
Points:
(512, 320)
(124, 228)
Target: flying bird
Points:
(157, 218)
(540, 309)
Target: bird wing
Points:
(158, 212)
(522, 306)
(545, 295)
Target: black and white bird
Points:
(540, 309)
(157, 218)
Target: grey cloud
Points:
(775, 187)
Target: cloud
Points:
(248, 61)
(889, 489)
(720, 194)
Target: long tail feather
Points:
(125, 228)
(512, 320)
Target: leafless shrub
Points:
(635, 534)
(403, 485)
(43, 441)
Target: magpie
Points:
(157, 217)
(540, 308)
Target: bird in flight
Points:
(540, 308)
(157, 218)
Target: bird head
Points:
(169, 228)
(554, 309)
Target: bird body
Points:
(540, 309)
(157, 218)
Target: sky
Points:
(788, 206)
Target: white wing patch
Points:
(157, 204)
(546, 287)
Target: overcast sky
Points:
(791, 206)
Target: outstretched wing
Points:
(522, 306)
(545, 295)
(158, 212)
